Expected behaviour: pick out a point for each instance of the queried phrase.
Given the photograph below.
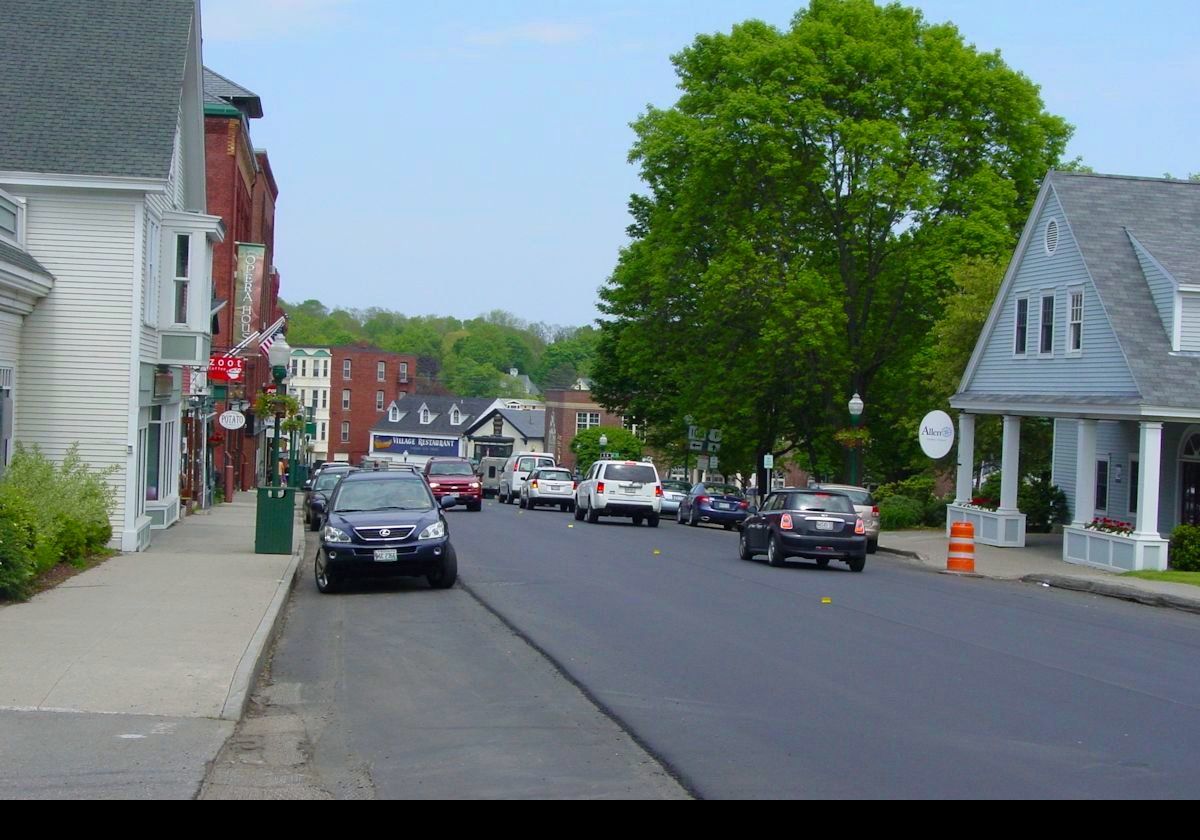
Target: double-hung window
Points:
(345, 431)
(150, 284)
(345, 368)
(380, 371)
(9, 216)
(404, 371)
(379, 400)
(345, 399)
(586, 420)
(1046, 331)
(183, 260)
(1075, 322)
(1021, 331)
(1102, 485)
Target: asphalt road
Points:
(749, 681)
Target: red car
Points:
(454, 477)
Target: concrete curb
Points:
(1110, 590)
(255, 654)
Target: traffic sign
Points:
(694, 433)
(712, 447)
(768, 462)
(696, 445)
(714, 435)
(712, 462)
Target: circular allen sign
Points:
(936, 434)
(232, 420)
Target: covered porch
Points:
(1130, 477)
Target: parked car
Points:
(454, 477)
(385, 524)
(818, 524)
(721, 504)
(516, 469)
(620, 488)
(549, 486)
(327, 468)
(317, 498)
(674, 492)
(865, 506)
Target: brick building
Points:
(363, 382)
(241, 190)
(568, 413)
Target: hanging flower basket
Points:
(271, 404)
(853, 438)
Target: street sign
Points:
(712, 462)
(936, 434)
(232, 420)
(694, 433)
(768, 462)
(714, 435)
(702, 462)
(712, 447)
(696, 445)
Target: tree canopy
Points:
(807, 199)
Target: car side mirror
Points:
(449, 501)
(308, 485)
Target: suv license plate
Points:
(385, 555)
(825, 526)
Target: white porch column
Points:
(1010, 465)
(1085, 473)
(966, 458)
(1149, 475)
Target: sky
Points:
(452, 159)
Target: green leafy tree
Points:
(621, 443)
(807, 195)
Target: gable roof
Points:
(219, 90)
(530, 424)
(1165, 217)
(92, 89)
(1102, 211)
(439, 407)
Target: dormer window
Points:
(455, 416)
(393, 414)
(426, 416)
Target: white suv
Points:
(620, 488)
(516, 469)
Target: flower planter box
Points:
(1122, 552)
(1006, 530)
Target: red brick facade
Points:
(563, 410)
(242, 191)
(368, 388)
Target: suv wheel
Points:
(653, 520)
(578, 512)
(592, 515)
(637, 519)
(522, 503)
(872, 546)
(446, 574)
(326, 581)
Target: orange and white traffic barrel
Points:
(962, 548)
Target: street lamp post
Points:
(603, 444)
(856, 409)
(279, 355)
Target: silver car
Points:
(864, 506)
(674, 492)
(549, 486)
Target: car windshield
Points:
(554, 475)
(725, 490)
(530, 464)
(817, 502)
(631, 472)
(329, 480)
(675, 486)
(399, 494)
(450, 468)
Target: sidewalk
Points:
(175, 634)
(1041, 562)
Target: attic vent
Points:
(1051, 236)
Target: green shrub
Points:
(918, 487)
(1185, 548)
(16, 549)
(69, 504)
(935, 512)
(897, 512)
(1043, 504)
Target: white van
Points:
(620, 488)
(516, 469)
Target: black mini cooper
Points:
(820, 525)
(385, 524)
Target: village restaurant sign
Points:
(401, 444)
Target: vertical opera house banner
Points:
(251, 268)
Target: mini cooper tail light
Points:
(785, 522)
(860, 528)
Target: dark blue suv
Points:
(385, 524)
